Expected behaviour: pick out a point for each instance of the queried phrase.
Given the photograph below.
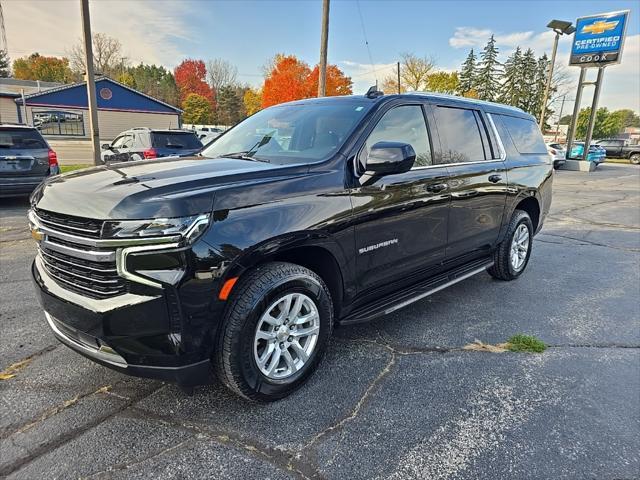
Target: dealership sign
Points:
(599, 39)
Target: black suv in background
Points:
(25, 159)
(305, 215)
(145, 143)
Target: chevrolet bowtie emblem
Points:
(599, 27)
(37, 235)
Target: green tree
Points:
(511, 89)
(46, 69)
(230, 105)
(627, 118)
(606, 124)
(565, 120)
(5, 69)
(542, 71)
(468, 74)
(443, 82)
(527, 100)
(488, 78)
(197, 109)
(155, 81)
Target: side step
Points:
(416, 292)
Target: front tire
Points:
(512, 255)
(275, 331)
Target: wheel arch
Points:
(532, 207)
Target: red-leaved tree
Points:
(191, 77)
(337, 82)
(291, 79)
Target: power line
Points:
(366, 42)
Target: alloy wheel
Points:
(519, 247)
(286, 335)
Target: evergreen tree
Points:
(230, 105)
(542, 71)
(467, 77)
(511, 89)
(529, 67)
(488, 78)
(5, 71)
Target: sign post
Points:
(598, 42)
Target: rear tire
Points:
(512, 255)
(635, 159)
(266, 348)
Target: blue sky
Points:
(248, 33)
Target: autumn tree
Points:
(46, 69)
(5, 71)
(252, 100)
(108, 58)
(197, 109)
(155, 81)
(287, 81)
(443, 82)
(126, 78)
(191, 77)
(337, 82)
(414, 71)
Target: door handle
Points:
(437, 187)
(495, 178)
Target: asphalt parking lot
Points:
(396, 398)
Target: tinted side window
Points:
(402, 124)
(20, 139)
(459, 135)
(525, 134)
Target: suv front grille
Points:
(84, 227)
(92, 279)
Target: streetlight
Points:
(561, 28)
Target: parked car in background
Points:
(145, 143)
(322, 211)
(25, 159)
(617, 148)
(596, 154)
(207, 137)
(558, 154)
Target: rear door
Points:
(401, 219)
(478, 178)
(23, 151)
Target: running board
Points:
(417, 292)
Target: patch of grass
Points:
(71, 168)
(526, 343)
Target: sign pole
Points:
(576, 110)
(594, 109)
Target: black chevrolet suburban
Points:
(240, 260)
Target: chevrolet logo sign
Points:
(600, 27)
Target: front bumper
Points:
(132, 334)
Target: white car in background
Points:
(558, 154)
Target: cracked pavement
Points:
(396, 398)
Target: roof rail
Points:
(466, 99)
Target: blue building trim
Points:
(111, 95)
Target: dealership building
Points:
(61, 112)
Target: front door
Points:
(478, 182)
(401, 219)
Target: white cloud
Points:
(147, 30)
(364, 75)
(465, 37)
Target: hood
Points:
(169, 187)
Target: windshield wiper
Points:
(244, 155)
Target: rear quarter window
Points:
(525, 134)
(175, 140)
(21, 139)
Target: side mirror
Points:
(387, 158)
(105, 146)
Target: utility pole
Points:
(91, 83)
(324, 40)
(398, 67)
(548, 84)
(555, 138)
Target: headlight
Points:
(188, 227)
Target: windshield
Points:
(287, 134)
